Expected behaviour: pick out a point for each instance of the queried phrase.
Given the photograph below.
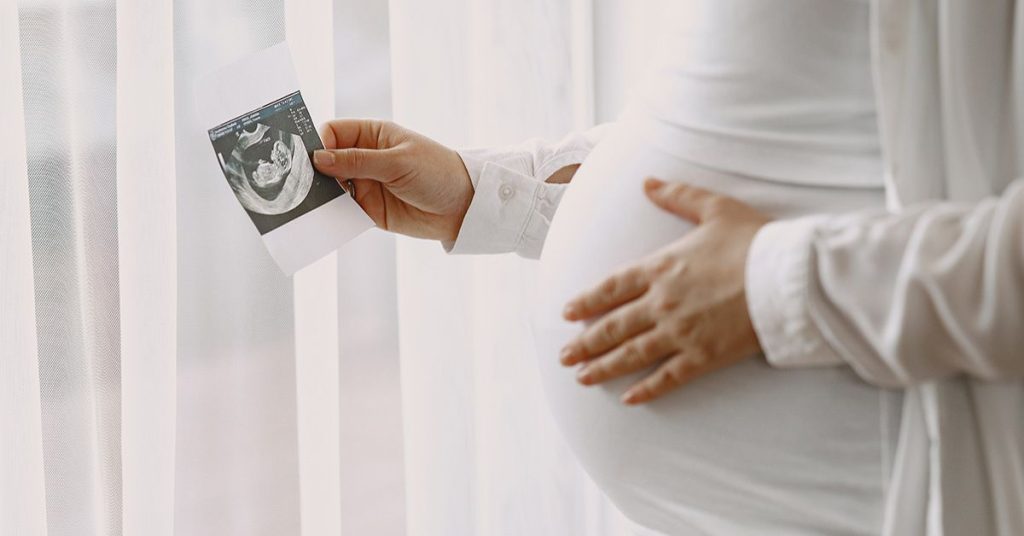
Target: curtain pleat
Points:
(160, 376)
(147, 246)
(237, 464)
(477, 424)
(22, 490)
(309, 30)
(68, 60)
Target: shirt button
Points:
(506, 192)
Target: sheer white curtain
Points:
(482, 454)
(89, 267)
(158, 375)
(124, 270)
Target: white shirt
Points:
(928, 296)
(779, 90)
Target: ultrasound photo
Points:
(266, 156)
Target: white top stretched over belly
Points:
(779, 89)
(747, 450)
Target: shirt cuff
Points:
(778, 279)
(510, 212)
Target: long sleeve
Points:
(512, 206)
(933, 291)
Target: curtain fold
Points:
(147, 263)
(68, 59)
(160, 376)
(237, 449)
(309, 30)
(477, 424)
(22, 487)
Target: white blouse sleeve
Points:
(933, 291)
(512, 206)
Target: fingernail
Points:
(653, 184)
(566, 355)
(584, 376)
(323, 158)
(569, 313)
(631, 397)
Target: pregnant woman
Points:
(773, 115)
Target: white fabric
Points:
(68, 88)
(928, 291)
(308, 28)
(147, 264)
(237, 465)
(507, 190)
(931, 290)
(744, 451)
(22, 488)
(154, 357)
(650, 462)
(482, 453)
(372, 481)
(109, 249)
(781, 90)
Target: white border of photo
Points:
(245, 86)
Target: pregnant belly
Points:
(748, 450)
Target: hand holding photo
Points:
(264, 140)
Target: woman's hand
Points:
(683, 307)
(406, 182)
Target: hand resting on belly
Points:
(683, 307)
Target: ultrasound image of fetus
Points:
(268, 170)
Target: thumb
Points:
(373, 164)
(681, 199)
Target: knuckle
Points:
(609, 286)
(679, 268)
(616, 367)
(352, 159)
(661, 382)
(676, 189)
(665, 304)
(684, 327)
(598, 371)
(378, 130)
(663, 265)
(402, 157)
(610, 329)
(675, 373)
(718, 204)
(701, 355)
(631, 353)
(635, 275)
(649, 346)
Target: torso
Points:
(781, 89)
(748, 450)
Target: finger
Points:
(673, 373)
(349, 133)
(370, 196)
(362, 163)
(612, 292)
(609, 332)
(631, 356)
(690, 202)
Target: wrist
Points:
(466, 187)
(563, 175)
